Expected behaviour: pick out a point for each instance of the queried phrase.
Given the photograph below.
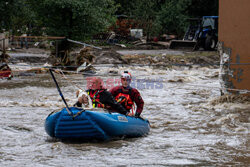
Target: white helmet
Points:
(126, 75)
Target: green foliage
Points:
(166, 16)
(81, 19)
(124, 7)
(15, 15)
(76, 19)
(173, 15)
(145, 13)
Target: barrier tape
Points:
(38, 68)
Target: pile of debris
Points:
(187, 59)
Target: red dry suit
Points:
(131, 96)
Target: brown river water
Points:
(186, 128)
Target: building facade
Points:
(234, 45)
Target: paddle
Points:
(60, 93)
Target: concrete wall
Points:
(234, 46)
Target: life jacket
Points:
(95, 97)
(124, 98)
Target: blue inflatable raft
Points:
(89, 125)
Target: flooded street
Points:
(186, 127)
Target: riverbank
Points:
(114, 55)
(160, 57)
(174, 58)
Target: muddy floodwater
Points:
(187, 129)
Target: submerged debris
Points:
(85, 55)
(230, 98)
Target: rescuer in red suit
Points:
(127, 96)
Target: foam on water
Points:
(186, 129)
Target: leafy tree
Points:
(4, 16)
(155, 17)
(80, 19)
(174, 13)
(123, 7)
(172, 16)
(15, 15)
(144, 12)
(77, 19)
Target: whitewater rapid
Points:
(186, 127)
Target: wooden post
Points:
(4, 47)
(56, 48)
(26, 43)
(21, 42)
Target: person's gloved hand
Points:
(127, 114)
(77, 104)
(137, 115)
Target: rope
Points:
(70, 80)
(166, 64)
(108, 65)
(77, 86)
(78, 113)
(140, 65)
(74, 72)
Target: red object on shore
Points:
(5, 71)
(155, 39)
(5, 74)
